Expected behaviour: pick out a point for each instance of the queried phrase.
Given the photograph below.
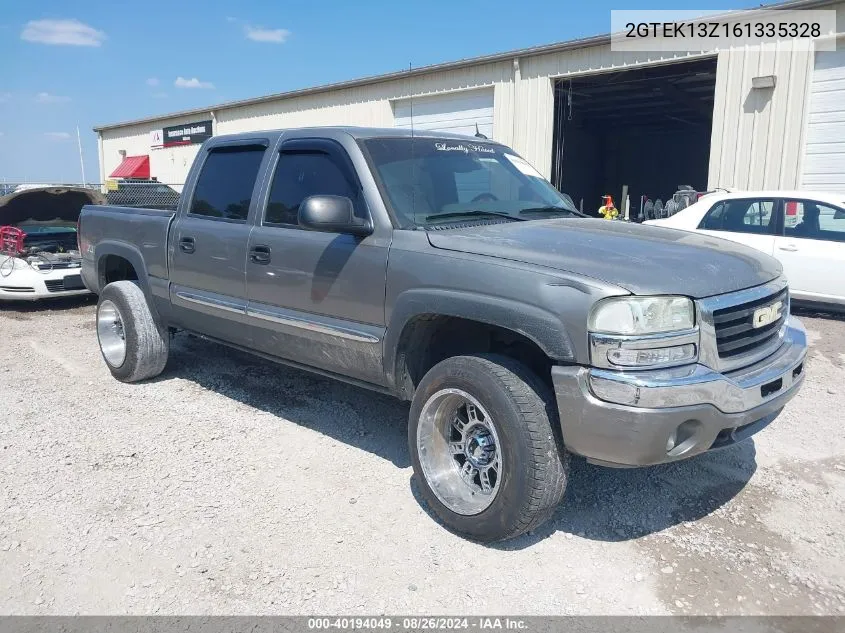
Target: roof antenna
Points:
(478, 134)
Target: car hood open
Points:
(45, 204)
(644, 260)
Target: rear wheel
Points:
(483, 447)
(133, 345)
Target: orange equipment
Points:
(607, 210)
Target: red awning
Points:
(133, 167)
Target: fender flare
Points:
(542, 327)
(131, 254)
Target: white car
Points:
(805, 230)
(47, 267)
(39, 256)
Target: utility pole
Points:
(81, 161)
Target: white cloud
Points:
(193, 82)
(260, 34)
(62, 33)
(46, 97)
(57, 136)
(153, 81)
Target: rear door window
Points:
(813, 220)
(747, 215)
(226, 183)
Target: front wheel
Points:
(483, 447)
(133, 345)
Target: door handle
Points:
(186, 245)
(788, 247)
(260, 255)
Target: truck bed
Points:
(143, 229)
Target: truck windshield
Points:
(432, 181)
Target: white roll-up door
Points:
(456, 112)
(824, 148)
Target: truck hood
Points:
(641, 259)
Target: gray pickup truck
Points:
(446, 271)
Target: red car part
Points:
(11, 240)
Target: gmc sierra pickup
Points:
(448, 272)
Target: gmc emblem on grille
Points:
(766, 314)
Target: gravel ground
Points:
(232, 485)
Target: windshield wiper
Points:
(552, 209)
(467, 214)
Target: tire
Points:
(122, 311)
(648, 210)
(531, 475)
(670, 209)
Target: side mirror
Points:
(332, 214)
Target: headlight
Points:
(642, 315)
(10, 264)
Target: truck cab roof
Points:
(355, 132)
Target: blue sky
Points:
(88, 62)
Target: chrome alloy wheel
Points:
(111, 334)
(459, 451)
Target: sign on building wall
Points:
(187, 134)
(156, 139)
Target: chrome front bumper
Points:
(650, 417)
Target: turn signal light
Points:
(649, 357)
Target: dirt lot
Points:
(232, 485)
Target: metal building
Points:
(590, 118)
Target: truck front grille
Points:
(736, 333)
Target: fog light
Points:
(673, 439)
(647, 357)
(614, 391)
(683, 438)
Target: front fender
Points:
(541, 326)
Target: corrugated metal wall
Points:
(756, 141)
(757, 137)
(369, 105)
(523, 106)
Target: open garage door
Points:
(647, 128)
(824, 148)
(457, 112)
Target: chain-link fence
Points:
(150, 195)
(125, 193)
